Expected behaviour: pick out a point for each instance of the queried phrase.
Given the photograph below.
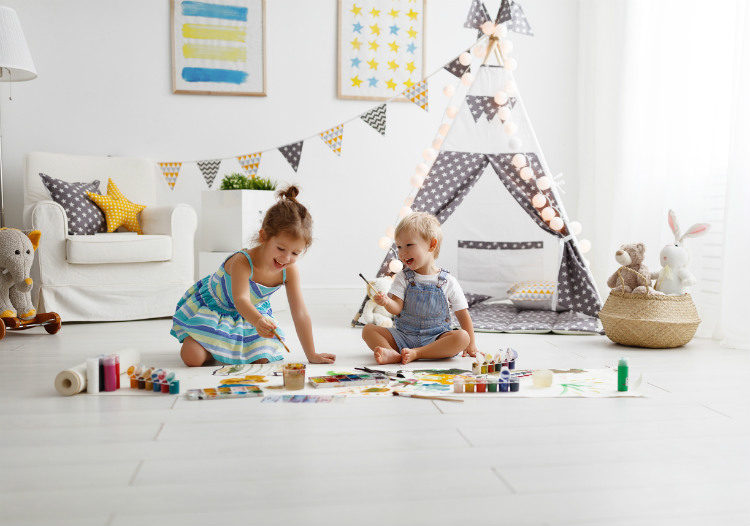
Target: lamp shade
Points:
(15, 60)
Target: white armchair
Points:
(106, 277)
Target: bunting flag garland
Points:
(477, 16)
(486, 105)
(209, 169)
(250, 163)
(512, 13)
(170, 171)
(418, 94)
(292, 153)
(376, 118)
(456, 68)
(334, 138)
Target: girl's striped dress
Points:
(207, 313)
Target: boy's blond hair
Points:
(425, 225)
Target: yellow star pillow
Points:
(118, 210)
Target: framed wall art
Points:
(218, 47)
(381, 47)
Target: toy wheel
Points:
(53, 326)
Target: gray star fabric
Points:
(84, 217)
(292, 153)
(454, 67)
(512, 14)
(477, 16)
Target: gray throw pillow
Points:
(84, 217)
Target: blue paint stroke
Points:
(227, 12)
(228, 76)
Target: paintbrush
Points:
(374, 292)
(427, 397)
(282, 341)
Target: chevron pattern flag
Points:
(334, 138)
(456, 68)
(512, 13)
(209, 169)
(170, 172)
(292, 153)
(250, 163)
(376, 118)
(418, 94)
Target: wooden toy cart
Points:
(49, 320)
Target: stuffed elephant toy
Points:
(16, 256)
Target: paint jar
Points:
(491, 367)
(502, 386)
(515, 384)
(475, 368)
(470, 383)
(117, 368)
(512, 364)
(492, 384)
(174, 387)
(110, 377)
(482, 384)
(542, 378)
(458, 385)
(164, 387)
(294, 376)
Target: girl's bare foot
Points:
(385, 355)
(408, 355)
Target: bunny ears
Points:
(696, 230)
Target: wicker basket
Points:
(648, 320)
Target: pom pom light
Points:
(422, 169)
(556, 224)
(510, 128)
(548, 213)
(395, 266)
(501, 98)
(437, 143)
(538, 201)
(503, 113)
(480, 51)
(510, 64)
(543, 183)
(575, 228)
(416, 181)
(506, 46)
(514, 143)
(464, 58)
(385, 242)
(467, 78)
(488, 27)
(501, 31)
(584, 245)
(449, 90)
(451, 112)
(526, 173)
(390, 232)
(519, 160)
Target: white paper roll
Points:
(92, 375)
(73, 381)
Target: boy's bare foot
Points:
(384, 355)
(408, 355)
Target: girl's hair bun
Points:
(290, 193)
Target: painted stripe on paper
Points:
(228, 76)
(205, 51)
(226, 12)
(210, 32)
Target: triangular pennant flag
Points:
(376, 118)
(476, 106)
(418, 94)
(209, 169)
(292, 153)
(170, 171)
(512, 13)
(456, 68)
(334, 138)
(250, 163)
(476, 16)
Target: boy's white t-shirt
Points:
(452, 289)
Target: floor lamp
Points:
(15, 66)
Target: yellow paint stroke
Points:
(209, 32)
(230, 54)
(249, 379)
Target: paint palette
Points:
(223, 392)
(349, 380)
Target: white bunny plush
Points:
(674, 278)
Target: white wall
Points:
(104, 88)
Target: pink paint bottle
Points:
(110, 375)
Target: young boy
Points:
(420, 299)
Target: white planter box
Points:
(230, 218)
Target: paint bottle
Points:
(174, 387)
(92, 375)
(622, 375)
(470, 383)
(504, 384)
(492, 383)
(110, 379)
(101, 372)
(117, 368)
(515, 384)
(476, 368)
(155, 386)
(482, 384)
(458, 385)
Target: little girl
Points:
(227, 316)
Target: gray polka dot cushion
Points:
(84, 217)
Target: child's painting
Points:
(381, 47)
(218, 47)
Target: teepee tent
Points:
(506, 234)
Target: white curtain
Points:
(665, 113)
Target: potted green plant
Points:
(231, 216)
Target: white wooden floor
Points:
(678, 456)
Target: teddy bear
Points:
(631, 255)
(372, 312)
(16, 256)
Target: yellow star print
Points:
(356, 11)
(391, 85)
(412, 33)
(375, 29)
(374, 45)
(393, 46)
(393, 65)
(356, 82)
(410, 66)
(394, 13)
(373, 64)
(408, 83)
(355, 43)
(375, 12)
(412, 14)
